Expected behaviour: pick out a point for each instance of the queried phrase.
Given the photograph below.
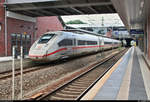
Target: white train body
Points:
(61, 44)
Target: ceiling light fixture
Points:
(140, 12)
(142, 4)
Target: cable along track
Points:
(80, 85)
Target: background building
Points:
(45, 24)
(22, 30)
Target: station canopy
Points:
(132, 12)
(36, 8)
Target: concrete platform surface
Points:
(8, 58)
(130, 80)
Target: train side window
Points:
(81, 42)
(45, 38)
(74, 41)
(107, 42)
(65, 42)
(91, 42)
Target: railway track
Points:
(80, 85)
(8, 74)
(17, 72)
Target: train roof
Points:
(80, 31)
(50, 32)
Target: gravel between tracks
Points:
(36, 80)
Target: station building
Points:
(23, 29)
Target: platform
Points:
(129, 79)
(9, 58)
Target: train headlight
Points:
(46, 45)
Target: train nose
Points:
(37, 54)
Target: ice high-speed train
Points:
(67, 43)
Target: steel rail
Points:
(79, 76)
(83, 93)
(8, 74)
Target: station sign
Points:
(120, 29)
(136, 31)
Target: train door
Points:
(100, 42)
(112, 43)
(103, 44)
(70, 42)
(74, 45)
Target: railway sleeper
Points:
(79, 84)
(60, 94)
(59, 98)
(71, 92)
(82, 82)
(90, 77)
(70, 89)
(77, 87)
(85, 80)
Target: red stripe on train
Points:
(86, 47)
(56, 51)
(49, 53)
(66, 49)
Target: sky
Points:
(96, 19)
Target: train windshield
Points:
(45, 38)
